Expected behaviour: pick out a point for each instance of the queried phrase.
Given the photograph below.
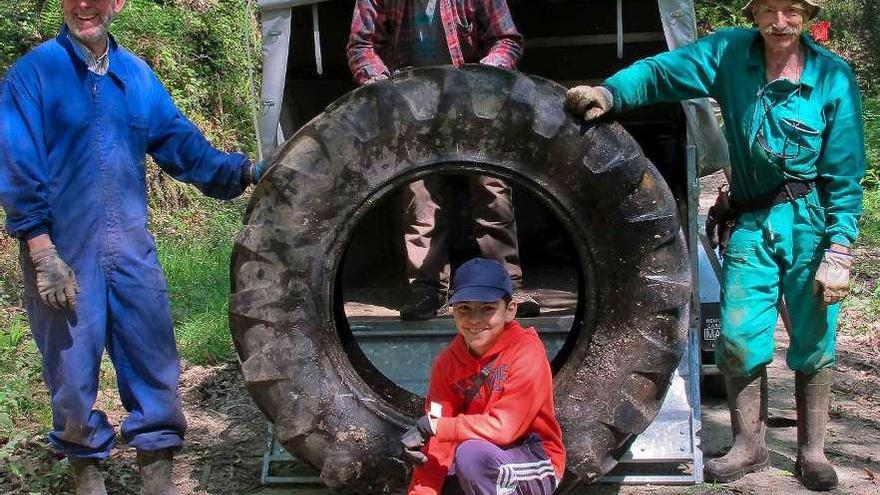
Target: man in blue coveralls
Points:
(793, 121)
(77, 116)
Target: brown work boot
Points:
(813, 395)
(156, 475)
(87, 477)
(747, 399)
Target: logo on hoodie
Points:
(494, 381)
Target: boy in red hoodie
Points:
(490, 426)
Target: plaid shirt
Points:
(476, 31)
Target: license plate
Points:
(711, 329)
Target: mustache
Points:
(770, 30)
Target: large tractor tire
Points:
(297, 356)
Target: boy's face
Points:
(481, 323)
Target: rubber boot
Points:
(87, 477)
(813, 395)
(155, 469)
(747, 399)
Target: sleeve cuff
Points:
(36, 231)
(615, 98)
(446, 430)
(841, 239)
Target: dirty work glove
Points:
(253, 172)
(832, 277)
(590, 101)
(56, 282)
(414, 441)
(721, 220)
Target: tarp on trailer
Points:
(679, 26)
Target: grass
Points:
(194, 247)
(23, 400)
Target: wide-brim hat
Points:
(813, 8)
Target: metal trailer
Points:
(571, 42)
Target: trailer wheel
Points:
(297, 360)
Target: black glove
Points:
(721, 220)
(414, 441)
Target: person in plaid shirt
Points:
(387, 35)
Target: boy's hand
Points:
(414, 457)
(414, 440)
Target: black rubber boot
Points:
(423, 304)
(747, 399)
(813, 395)
(87, 477)
(156, 473)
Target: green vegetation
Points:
(197, 270)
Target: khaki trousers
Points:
(426, 233)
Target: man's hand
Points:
(591, 102)
(721, 220)
(414, 440)
(832, 277)
(56, 282)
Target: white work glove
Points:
(832, 277)
(590, 101)
(56, 282)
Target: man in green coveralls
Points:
(793, 121)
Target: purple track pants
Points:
(483, 468)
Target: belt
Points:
(790, 190)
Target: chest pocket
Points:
(802, 134)
(138, 136)
(791, 137)
(138, 129)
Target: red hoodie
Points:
(515, 400)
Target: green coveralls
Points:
(811, 130)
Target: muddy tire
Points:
(299, 365)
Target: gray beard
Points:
(100, 36)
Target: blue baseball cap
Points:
(481, 280)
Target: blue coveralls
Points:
(777, 131)
(72, 150)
